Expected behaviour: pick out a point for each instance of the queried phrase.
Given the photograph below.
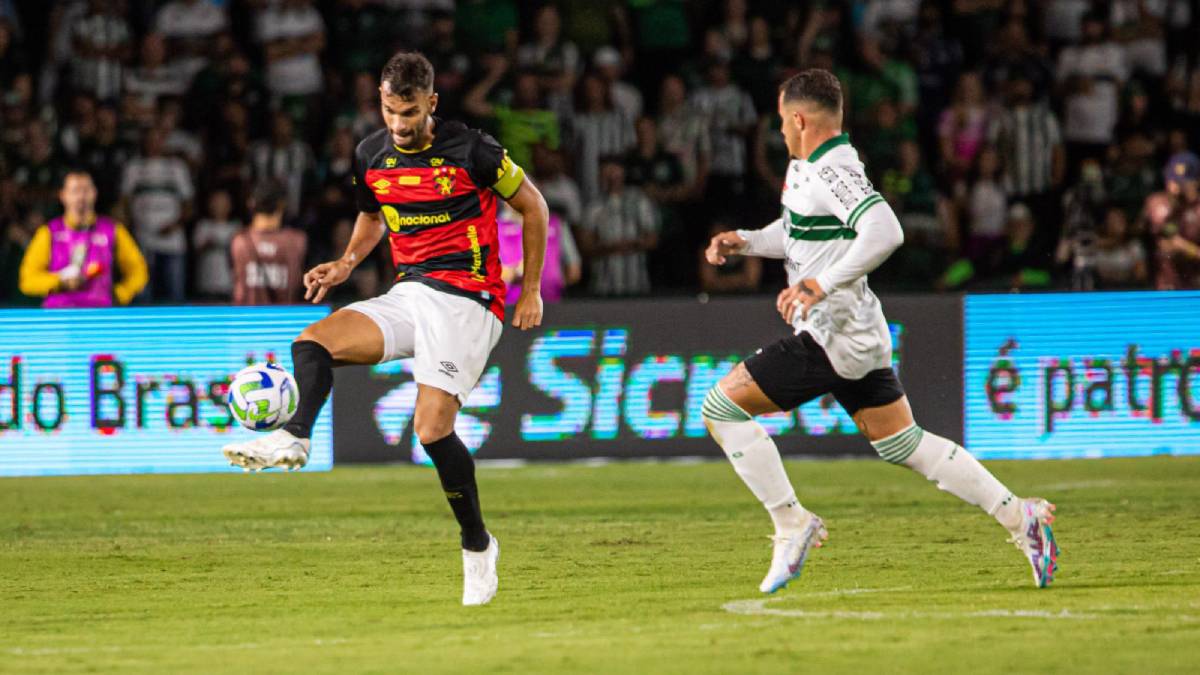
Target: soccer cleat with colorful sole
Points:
(1035, 539)
(276, 449)
(791, 552)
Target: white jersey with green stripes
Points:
(823, 198)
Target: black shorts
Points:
(796, 370)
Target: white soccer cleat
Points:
(277, 449)
(1036, 540)
(479, 574)
(791, 550)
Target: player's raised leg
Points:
(342, 338)
(729, 412)
(899, 440)
(434, 424)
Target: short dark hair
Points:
(815, 85)
(268, 197)
(407, 73)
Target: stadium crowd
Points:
(1022, 144)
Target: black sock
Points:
(456, 470)
(312, 365)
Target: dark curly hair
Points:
(407, 73)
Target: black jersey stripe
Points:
(482, 297)
(459, 261)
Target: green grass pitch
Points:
(624, 568)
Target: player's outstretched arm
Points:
(535, 218)
(769, 242)
(368, 230)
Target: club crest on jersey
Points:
(443, 178)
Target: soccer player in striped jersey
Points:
(432, 186)
(834, 229)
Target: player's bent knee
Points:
(429, 431)
(718, 407)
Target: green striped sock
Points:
(900, 446)
(718, 407)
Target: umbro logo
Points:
(448, 368)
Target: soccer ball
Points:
(263, 396)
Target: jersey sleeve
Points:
(492, 168)
(364, 197)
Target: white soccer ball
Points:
(263, 396)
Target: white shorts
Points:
(448, 336)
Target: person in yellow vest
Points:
(81, 259)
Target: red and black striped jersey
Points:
(439, 205)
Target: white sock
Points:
(755, 459)
(954, 470)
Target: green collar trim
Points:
(841, 139)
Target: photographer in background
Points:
(1172, 217)
(1083, 208)
(71, 260)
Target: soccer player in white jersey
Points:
(834, 229)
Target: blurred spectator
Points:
(1131, 176)
(268, 260)
(360, 32)
(1062, 20)
(625, 96)
(683, 132)
(600, 129)
(189, 26)
(1140, 27)
(758, 67)
(730, 115)
(15, 234)
(1009, 265)
(1013, 54)
(881, 146)
(938, 60)
(39, 171)
(891, 20)
(734, 27)
(617, 231)
(650, 167)
(523, 123)
(363, 118)
(489, 26)
(1090, 76)
(153, 77)
(739, 274)
(1173, 219)
(211, 242)
(283, 158)
(451, 65)
(105, 155)
(82, 259)
(1026, 134)
(563, 266)
(910, 190)
(177, 141)
(877, 76)
(80, 129)
(559, 189)
(157, 192)
(292, 34)
(554, 58)
(986, 205)
(101, 39)
(963, 127)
